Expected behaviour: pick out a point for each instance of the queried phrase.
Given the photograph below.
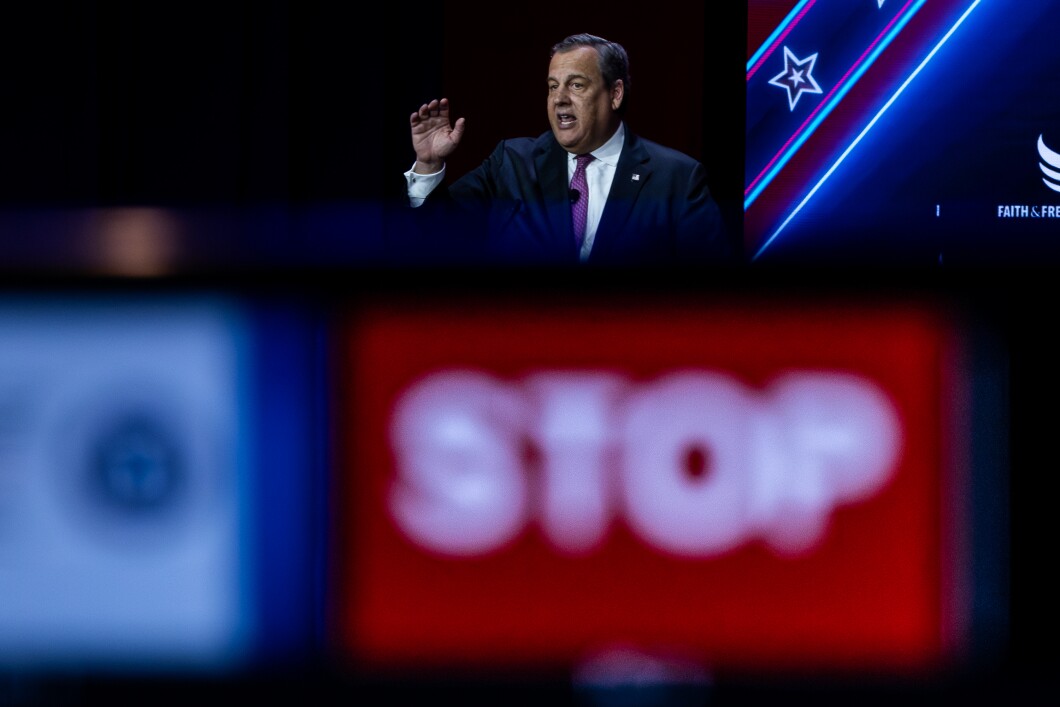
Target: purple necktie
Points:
(580, 194)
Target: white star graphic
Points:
(797, 77)
(879, 3)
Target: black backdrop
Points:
(171, 102)
(277, 130)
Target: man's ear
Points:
(618, 94)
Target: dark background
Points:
(216, 106)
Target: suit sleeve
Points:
(701, 232)
(449, 226)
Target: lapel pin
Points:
(636, 177)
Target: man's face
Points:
(581, 109)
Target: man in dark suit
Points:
(633, 201)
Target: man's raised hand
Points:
(433, 137)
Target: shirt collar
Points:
(609, 152)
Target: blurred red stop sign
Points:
(757, 487)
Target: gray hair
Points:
(613, 60)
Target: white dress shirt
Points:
(598, 175)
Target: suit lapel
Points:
(631, 174)
(551, 163)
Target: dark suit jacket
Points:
(515, 207)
